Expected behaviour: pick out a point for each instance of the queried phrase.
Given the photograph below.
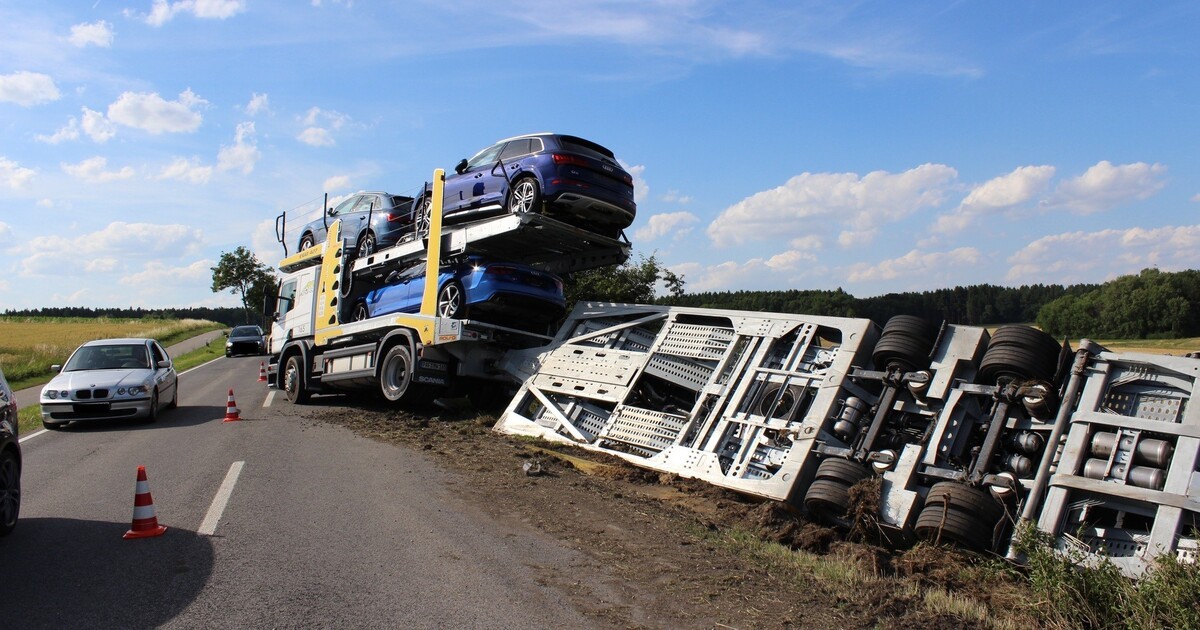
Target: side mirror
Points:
(329, 211)
(56, 368)
(275, 316)
(226, 333)
(461, 166)
(164, 364)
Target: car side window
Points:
(484, 157)
(287, 297)
(369, 203)
(346, 205)
(515, 149)
(158, 352)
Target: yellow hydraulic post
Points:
(433, 251)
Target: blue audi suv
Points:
(371, 221)
(564, 177)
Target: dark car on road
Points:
(10, 460)
(245, 340)
(565, 177)
(370, 221)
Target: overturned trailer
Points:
(967, 431)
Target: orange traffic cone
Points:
(262, 372)
(145, 523)
(231, 410)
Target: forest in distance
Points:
(1152, 304)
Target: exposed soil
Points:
(682, 552)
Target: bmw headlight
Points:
(51, 394)
(228, 344)
(135, 390)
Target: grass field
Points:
(30, 345)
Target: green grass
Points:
(30, 417)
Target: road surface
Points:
(319, 527)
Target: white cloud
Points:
(641, 190)
(790, 260)
(163, 11)
(337, 182)
(27, 88)
(13, 175)
(821, 201)
(92, 171)
(45, 203)
(1077, 257)
(156, 274)
(674, 196)
(258, 103)
(1019, 187)
(243, 154)
(97, 127)
(677, 224)
(914, 264)
(150, 112)
(187, 170)
(318, 123)
(1105, 186)
(97, 34)
(70, 131)
(119, 240)
(315, 136)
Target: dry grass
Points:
(30, 345)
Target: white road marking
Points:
(209, 525)
(270, 397)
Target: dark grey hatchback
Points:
(10, 460)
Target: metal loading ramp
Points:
(737, 399)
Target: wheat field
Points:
(30, 345)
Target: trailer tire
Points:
(905, 344)
(828, 497)
(293, 380)
(1019, 353)
(525, 196)
(960, 514)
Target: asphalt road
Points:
(321, 528)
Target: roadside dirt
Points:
(688, 555)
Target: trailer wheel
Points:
(450, 302)
(905, 344)
(828, 497)
(293, 380)
(959, 514)
(524, 196)
(1020, 353)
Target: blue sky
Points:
(872, 146)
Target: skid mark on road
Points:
(209, 524)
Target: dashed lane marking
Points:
(209, 524)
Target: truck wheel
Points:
(524, 196)
(828, 497)
(395, 375)
(959, 514)
(1019, 353)
(293, 381)
(450, 301)
(905, 343)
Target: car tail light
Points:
(501, 270)
(396, 217)
(575, 160)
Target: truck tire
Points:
(905, 344)
(294, 380)
(828, 497)
(395, 374)
(1019, 353)
(959, 514)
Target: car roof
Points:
(526, 135)
(117, 342)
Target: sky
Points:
(875, 147)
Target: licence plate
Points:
(92, 407)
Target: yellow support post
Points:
(433, 251)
